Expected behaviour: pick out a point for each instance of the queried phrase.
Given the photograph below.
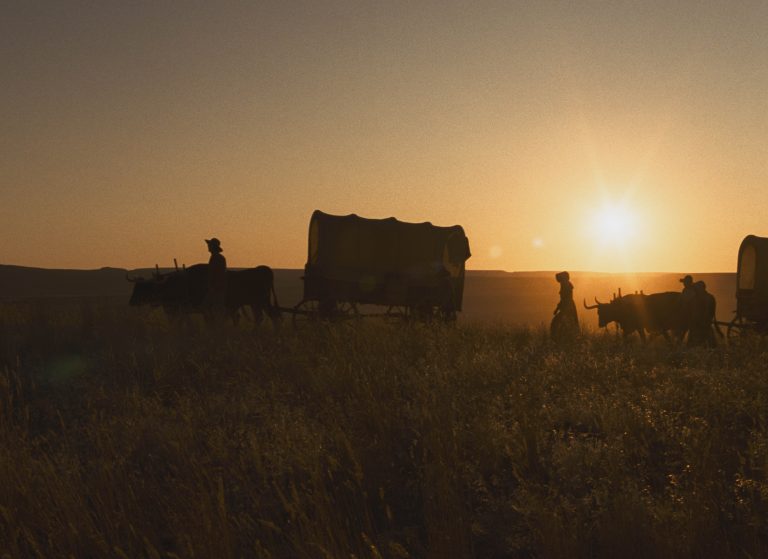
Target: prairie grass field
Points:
(124, 435)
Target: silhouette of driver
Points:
(216, 297)
(687, 300)
(688, 289)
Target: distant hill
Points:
(21, 282)
(489, 295)
(18, 282)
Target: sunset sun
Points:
(614, 224)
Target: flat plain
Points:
(123, 434)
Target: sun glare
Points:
(614, 224)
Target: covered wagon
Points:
(751, 286)
(412, 269)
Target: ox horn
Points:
(590, 307)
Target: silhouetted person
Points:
(702, 316)
(688, 290)
(687, 302)
(216, 296)
(565, 323)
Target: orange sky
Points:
(131, 131)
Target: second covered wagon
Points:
(751, 287)
(412, 269)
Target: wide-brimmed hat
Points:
(214, 244)
(687, 279)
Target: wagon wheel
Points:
(738, 327)
(306, 311)
(424, 313)
(448, 316)
(312, 310)
(339, 311)
(396, 314)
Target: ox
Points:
(185, 291)
(658, 313)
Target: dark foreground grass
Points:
(124, 436)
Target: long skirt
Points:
(565, 325)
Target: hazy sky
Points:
(561, 135)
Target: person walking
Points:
(565, 321)
(702, 317)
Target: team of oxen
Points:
(671, 314)
(186, 290)
(668, 313)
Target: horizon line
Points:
(485, 270)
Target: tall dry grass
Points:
(122, 435)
